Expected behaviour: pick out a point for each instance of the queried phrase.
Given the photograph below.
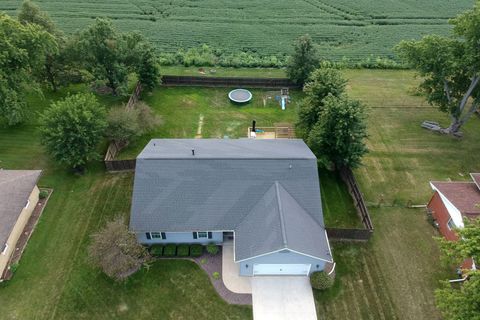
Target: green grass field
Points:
(391, 277)
(342, 28)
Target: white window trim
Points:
(159, 232)
(448, 224)
(4, 252)
(198, 234)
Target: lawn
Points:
(391, 277)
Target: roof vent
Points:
(193, 152)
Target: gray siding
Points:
(181, 237)
(287, 257)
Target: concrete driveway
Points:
(282, 298)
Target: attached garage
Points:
(281, 269)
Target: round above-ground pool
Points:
(240, 96)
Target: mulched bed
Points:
(211, 264)
(27, 232)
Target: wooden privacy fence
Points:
(351, 233)
(114, 147)
(228, 82)
(347, 175)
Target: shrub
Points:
(321, 280)
(216, 275)
(170, 250)
(156, 250)
(183, 250)
(14, 267)
(212, 249)
(196, 250)
(43, 194)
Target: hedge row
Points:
(173, 250)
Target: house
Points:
(264, 195)
(18, 197)
(452, 202)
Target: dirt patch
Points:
(200, 126)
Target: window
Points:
(202, 235)
(450, 224)
(4, 252)
(156, 235)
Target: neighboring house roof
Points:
(465, 196)
(267, 191)
(15, 189)
(476, 179)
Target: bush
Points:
(170, 250)
(43, 194)
(183, 250)
(156, 250)
(212, 249)
(321, 280)
(196, 250)
(14, 267)
(216, 275)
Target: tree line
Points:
(37, 55)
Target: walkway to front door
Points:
(282, 298)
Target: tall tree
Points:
(462, 303)
(72, 129)
(23, 52)
(322, 82)
(110, 55)
(450, 68)
(303, 61)
(338, 138)
(30, 13)
(56, 63)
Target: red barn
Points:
(452, 202)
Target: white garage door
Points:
(279, 269)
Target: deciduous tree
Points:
(461, 303)
(110, 55)
(72, 128)
(56, 63)
(322, 82)
(116, 251)
(303, 61)
(338, 138)
(450, 68)
(23, 51)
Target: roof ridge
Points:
(251, 210)
(308, 213)
(280, 212)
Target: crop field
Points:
(342, 28)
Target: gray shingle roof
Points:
(226, 149)
(226, 186)
(15, 189)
